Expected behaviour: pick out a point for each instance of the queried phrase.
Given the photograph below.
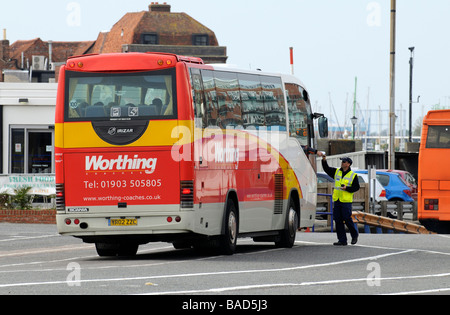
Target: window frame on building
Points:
(200, 40)
(154, 41)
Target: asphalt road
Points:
(34, 259)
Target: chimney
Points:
(156, 7)
(4, 47)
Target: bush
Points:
(22, 200)
(6, 201)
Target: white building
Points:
(27, 119)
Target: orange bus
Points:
(434, 172)
(157, 147)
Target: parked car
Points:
(323, 177)
(380, 192)
(409, 180)
(396, 188)
(363, 178)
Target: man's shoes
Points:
(340, 244)
(354, 240)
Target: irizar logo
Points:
(119, 131)
(122, 163)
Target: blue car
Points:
(396, 188)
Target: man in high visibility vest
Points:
(346, 183)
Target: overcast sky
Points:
(334, 40)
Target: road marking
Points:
(215, 273)
(43, 250)
(24, 238)
(304, 284)
(420, 292)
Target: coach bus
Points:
(158, 147)
(434, 172)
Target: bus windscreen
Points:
(438, 137)
(120, 96)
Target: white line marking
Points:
(302, 284)
(43, 250)
(420, 292)
(24, 238)
(215, 273)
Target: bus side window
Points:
(274, 106)
(212, 109)
(298, 113)
(229, 100)
(199, 98)
(252, 101)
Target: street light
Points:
(411, 66)
(354, 120)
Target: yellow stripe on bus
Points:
(159, 133)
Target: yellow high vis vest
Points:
(347, 180)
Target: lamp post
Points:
(354, 120)
(411, 67)
(391, 160)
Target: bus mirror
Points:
(323, 127)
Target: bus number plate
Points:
(123, 222)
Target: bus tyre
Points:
(228, 241)
(113, 250)
(287, 236)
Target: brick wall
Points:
(28, 216)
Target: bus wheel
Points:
(127, 249)
(228, 241)
(112, 250)
(106, 250)
(287, 236)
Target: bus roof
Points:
(111, 59)
(287, 78)
(437, 117)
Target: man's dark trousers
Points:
(343, 213)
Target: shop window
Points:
(31, 151)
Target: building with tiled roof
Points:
(161, 30)
(156, 29)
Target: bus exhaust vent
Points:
(279, 188)
(187, 194)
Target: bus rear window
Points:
(438, 137)
(120, 96)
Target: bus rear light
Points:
(76, 222)
(162, 62)
(186, 191)
(187, 194)
(60, 198)
(177, 219)
(383, 193)
(431, 204)
(80, 65)
(68, 222)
